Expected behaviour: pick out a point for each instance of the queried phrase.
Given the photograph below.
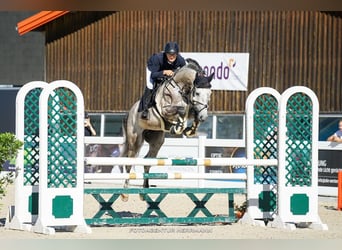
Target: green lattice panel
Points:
(31, 138)
(62, 122)
(265, 137)
(299, 140)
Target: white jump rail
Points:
(224, 161)
(175, 176)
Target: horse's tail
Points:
(123, 151)
(124, 126)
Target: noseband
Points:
(198, 103)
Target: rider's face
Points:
(171, 57)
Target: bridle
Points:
(181, 90)
(197, 103)
(188, 95)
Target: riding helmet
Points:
(171, 48)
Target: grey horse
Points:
(185, 96)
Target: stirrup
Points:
(144, 114)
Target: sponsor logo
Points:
(222, 70)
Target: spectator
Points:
(88, 127)
(337, 136)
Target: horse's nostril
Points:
(202, 117)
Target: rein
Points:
(184, 94)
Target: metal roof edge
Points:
(38, 20)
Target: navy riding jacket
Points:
(158, 62)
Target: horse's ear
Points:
(210, 78)
(203, 81)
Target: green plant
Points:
(240, 210)
(9, 147)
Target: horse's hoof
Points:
(142, 197)
(124, 197)
(188, 132)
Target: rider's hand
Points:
(168, 73)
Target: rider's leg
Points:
(146, 100)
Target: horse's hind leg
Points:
(124, 197)
(132, 145)
(131, 153)
(155, 139)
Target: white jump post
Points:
(61, 118)
(27, 161)
(290, 197)
(261, 107)
(49, 120)
(298, 160)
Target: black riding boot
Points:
(146, 100)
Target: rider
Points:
(161, 66)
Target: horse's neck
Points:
(170, 89)
(171, 94)
(185, 76)
(181, 87)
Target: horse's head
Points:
(201, 96)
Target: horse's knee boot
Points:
(189, 132)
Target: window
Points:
(229, 127)
(113, 124)
(95, 120)
(225, 126)
(327, 126)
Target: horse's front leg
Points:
(179, 127)
(192, 131)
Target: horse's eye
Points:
(197, 94)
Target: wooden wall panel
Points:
(105, 53)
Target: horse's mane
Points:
(192, 75)
(193, 64)
(188, 73)
(185, 75)
(200, 80)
